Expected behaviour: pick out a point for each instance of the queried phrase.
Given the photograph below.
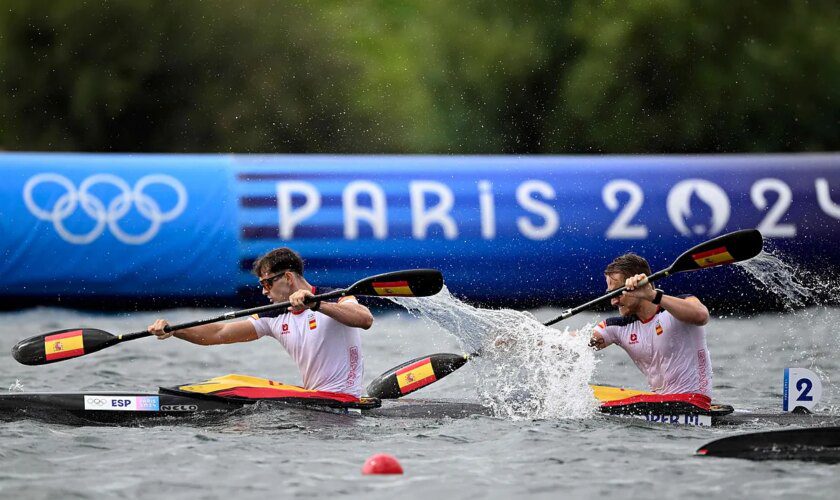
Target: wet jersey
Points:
(327, 353)
(672, 354)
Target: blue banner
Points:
(534, 228)
(527, 229)
(85, 225)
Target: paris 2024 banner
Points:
(503, 229)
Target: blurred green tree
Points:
(655, 76)
(666, 76)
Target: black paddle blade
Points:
(60, 345)
(411, 283)
(727, 249)
(415, 374)
(813, 444)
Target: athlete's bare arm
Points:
(212, 334)
(688, 310)
(348, 313)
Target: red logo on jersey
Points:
(285, 329)
(634, 339)
(353, 355)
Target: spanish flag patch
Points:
(416, 375)
(659, 329)
(713, 257)
(64, 345)
(312, 323)
(392, 288)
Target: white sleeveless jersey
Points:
(328, 353)
(672, 354)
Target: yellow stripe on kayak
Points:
(234, 380)
(602, 393)
(605, 393)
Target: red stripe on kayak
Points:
(693, 398)
(270, 393)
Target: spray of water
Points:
(524, 369)
(16, 386)
(806, 296)
(794, 286)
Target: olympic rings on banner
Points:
(95, 208)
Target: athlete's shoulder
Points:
(619, 321)
(324, 289)
(274, 313)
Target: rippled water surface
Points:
(285, 452)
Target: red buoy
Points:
(382, 463)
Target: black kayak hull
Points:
(812, 444)
(108, 406)
(124, 408)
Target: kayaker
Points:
(323, 338)
(663, 334)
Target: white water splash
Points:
(16, 386)
(794, 286)
(525, 369)
(806, 297)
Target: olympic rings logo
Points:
(95, 208)
(94, 401)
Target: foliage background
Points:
(471, 77)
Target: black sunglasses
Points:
(267, 283)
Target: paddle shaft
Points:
(74, 342)
(568, 313)
(232, 315)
